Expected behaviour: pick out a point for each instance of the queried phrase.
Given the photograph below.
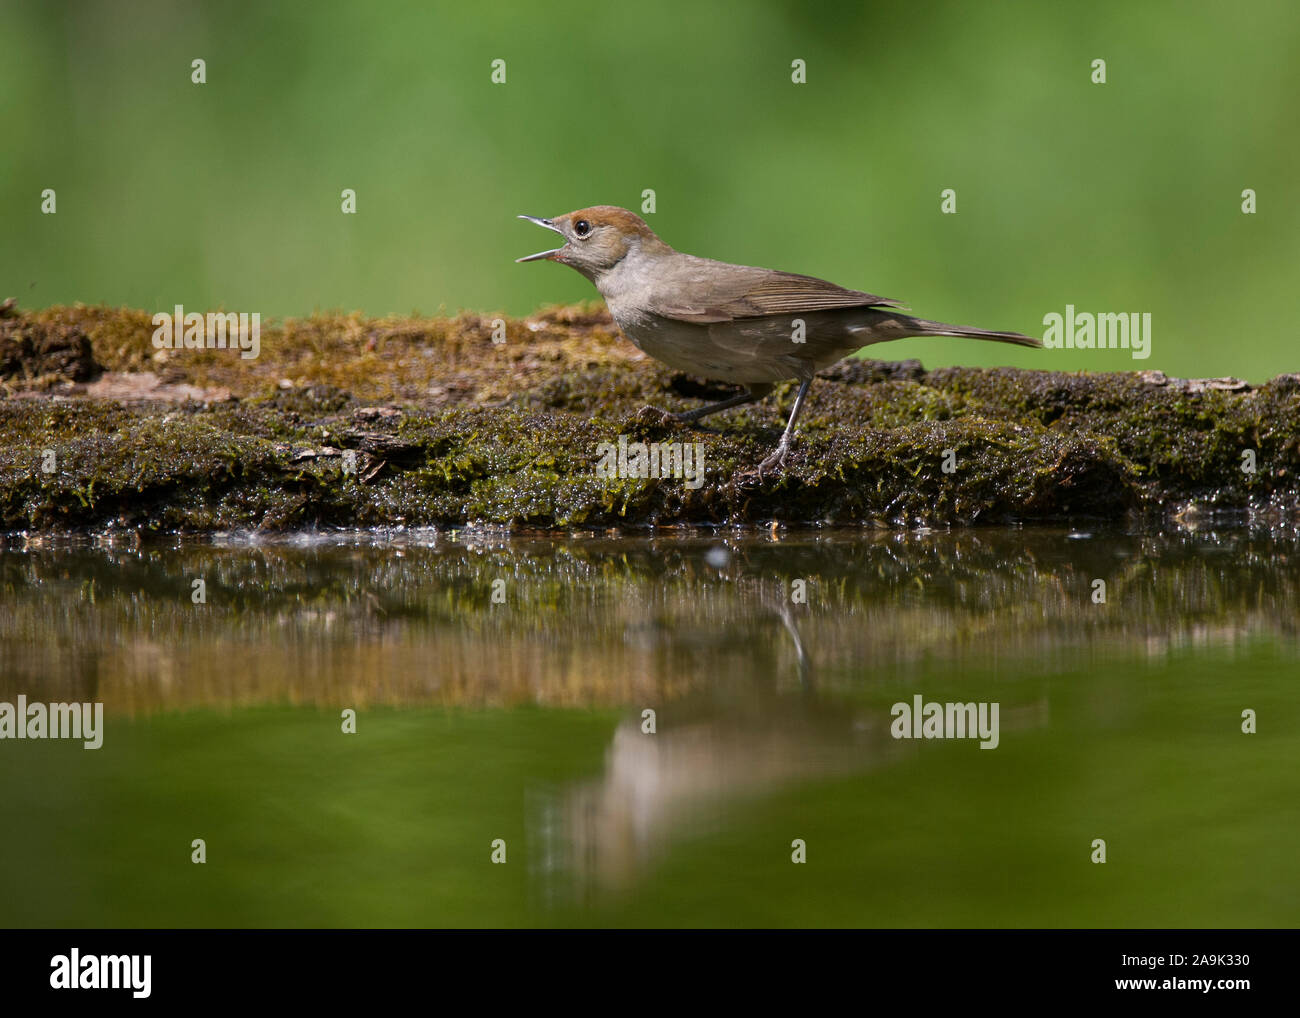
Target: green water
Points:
(522, 721)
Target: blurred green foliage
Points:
(1117, 197)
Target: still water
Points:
(501, 687)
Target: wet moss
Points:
(36, 356)
(344, 422)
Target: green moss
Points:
(467, 431)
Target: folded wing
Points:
(725, 293)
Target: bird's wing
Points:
(724, 293)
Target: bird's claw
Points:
(652, 415)
(774, 462)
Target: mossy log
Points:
(343, 421)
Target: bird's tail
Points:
(922, 327)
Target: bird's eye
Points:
(582, 228)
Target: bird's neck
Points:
(633, 271)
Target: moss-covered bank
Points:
(98, 429)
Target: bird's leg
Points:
(750, 395)
(777, 459)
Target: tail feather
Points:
(928, 328)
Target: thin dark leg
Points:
(689, 416)
(752, 394)
(777, 459)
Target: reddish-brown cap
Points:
(627, 223)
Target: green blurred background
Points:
(1117, 197)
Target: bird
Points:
(740, 324)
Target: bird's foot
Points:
(772, 464)
(776, 461)
(652, 415)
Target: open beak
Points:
(542, 255)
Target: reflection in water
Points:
(678, 781)
(753, 691)
(601, 622)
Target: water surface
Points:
(521, 718)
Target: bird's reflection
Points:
(703, 757)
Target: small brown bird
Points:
(734, 323)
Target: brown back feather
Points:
(724, 293)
